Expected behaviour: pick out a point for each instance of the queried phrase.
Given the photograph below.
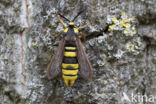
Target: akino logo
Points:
(138, 98)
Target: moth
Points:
(70, 57)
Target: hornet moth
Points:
(70, 57)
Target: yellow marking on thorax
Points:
(70, 54)
(65, 30)
(76, 30)
(69, 72)
(74, 66)
(70, 48)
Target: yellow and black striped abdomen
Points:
(70, 64)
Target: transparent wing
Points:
(54, 68)
(85, 66)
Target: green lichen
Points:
(9, 44)
(35, 43)
(131, 47)
(124, 24)
(134, 46)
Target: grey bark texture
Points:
(122, 64)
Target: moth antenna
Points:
(78, 15)
(63, 17)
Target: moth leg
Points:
(83, 36)
(82, 27)
(61, 21)
(57, 35)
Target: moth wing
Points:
(86, 70)
(54, 67)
